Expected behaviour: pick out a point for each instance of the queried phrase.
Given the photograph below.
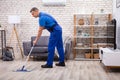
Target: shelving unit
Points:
(2, 40)
(92, 31)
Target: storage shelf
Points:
(84, 26)
(92, 31)
(93, 37)
(3, 39)
(82, 37)
(103, 37)
(86, 59)
(82, 48)
(88, 14)
(85, 48)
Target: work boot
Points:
(46, 66)
(60, 64)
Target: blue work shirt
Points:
(47, 21)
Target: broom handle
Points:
(28, 56)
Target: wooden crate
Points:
(96, 56)
(87, 55)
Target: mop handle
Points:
(29, 55)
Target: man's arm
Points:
(38, 35)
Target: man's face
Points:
(35, 13)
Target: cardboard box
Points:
(87, 55)
(96, 56)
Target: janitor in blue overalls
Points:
(48, 22)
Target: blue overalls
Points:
(55, 40)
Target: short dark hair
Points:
(34, 9)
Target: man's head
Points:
(35, 12)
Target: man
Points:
(48, 22)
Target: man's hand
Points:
(34, 42)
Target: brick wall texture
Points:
(63, 14)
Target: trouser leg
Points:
(60, 49)
(55, 40)
(51, 48)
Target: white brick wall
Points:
(64, 15)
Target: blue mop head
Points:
(22, 70)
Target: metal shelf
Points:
(3, 39)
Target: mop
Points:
(23, 67)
